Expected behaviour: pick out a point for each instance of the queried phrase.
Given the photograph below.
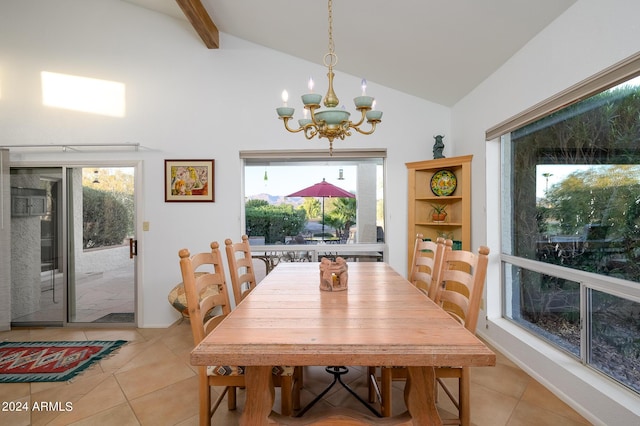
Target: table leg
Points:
(259, 396)
(419, 396)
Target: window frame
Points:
(608, 78)
(612, 76)
(319, 155)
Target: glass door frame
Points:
(63, 212)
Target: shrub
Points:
(105, 219)
(274, 222)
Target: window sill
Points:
(598, 399)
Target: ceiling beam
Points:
(201, 22)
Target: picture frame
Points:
(189, 181)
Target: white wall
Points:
(183, 101)
(589, 37)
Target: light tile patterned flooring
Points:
(149, 381)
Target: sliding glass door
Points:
(100, 250)
(37, 285)
(71, 259)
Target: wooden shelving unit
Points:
(457, 225)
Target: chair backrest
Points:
(426, 264)
(243, 278)
(206, 290)
(462, 283)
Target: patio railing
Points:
(273, 254)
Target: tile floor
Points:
(149, 381)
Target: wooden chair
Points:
(206, 310)
(243, 278)
(427, 263)
(460, 294)
(424, 274)
(243, 281)
(460, 290)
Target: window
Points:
(351, 212)
(571, 228)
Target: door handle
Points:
(133, 248)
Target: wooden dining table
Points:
(380, 320)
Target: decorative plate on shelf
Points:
(443, 183)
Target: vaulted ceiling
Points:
(438, 50)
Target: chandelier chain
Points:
(331, 44)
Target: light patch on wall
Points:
(83, 94)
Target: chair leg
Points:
(463, 397)
(300, 371)
(205, 399)
(231, 398)
(387, 382)
(297, 385)
(215, 406)
(286, 394)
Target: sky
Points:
(284, 180)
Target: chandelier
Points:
(331, 122)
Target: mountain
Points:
(276, 199)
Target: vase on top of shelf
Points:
(439, 213)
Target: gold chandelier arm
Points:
(373, 128)
(312, 111)
(364, 114)
(310, 131)
(286, 125)
(346, 131)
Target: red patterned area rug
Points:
(50, 361)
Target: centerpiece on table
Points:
(334, 276)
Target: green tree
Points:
(342, 216)
(256, 203)
(312, 206)
(603, 196)
(602, 206)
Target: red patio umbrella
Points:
(323, 189)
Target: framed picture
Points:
(189, 180)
